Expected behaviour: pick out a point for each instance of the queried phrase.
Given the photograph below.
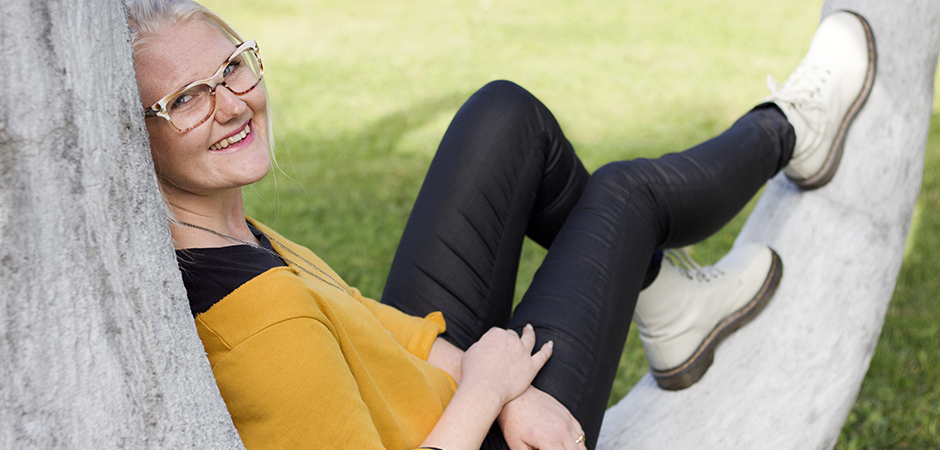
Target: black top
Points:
(210, 274)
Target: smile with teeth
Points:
(231, 140)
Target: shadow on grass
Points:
(349, 194)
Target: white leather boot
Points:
(824, 94)
(688, 309)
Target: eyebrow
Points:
(193, 80)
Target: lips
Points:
(231, 140)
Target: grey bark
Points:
(97, 346)
(789, 379)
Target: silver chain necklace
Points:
(328, 280)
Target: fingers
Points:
(528, 340)
(576, 441)
(528, 337)
(572, 438)
(541, 357)
(579, 441)
(517, 445)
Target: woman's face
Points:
(193, 162)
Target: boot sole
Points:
(689, 372)
(835, 152)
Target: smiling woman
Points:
(302, 359)
(202, 167)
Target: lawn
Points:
(363, 90)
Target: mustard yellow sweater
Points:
(302, 364)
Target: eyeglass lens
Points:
(194, 105)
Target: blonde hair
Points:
(147, 17)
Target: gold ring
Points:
(580, 439)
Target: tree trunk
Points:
(98, 348)
(789, 379)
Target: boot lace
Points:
(802, 90)
(689, 268)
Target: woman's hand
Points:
(495, 370)
(502, 362)
(536, 420)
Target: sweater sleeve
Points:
(415, 334)
(287, 387)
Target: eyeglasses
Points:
(192, 105)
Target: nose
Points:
(228, 106)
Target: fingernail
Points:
(529, 326)
(551, 344)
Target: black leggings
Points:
(504, 170)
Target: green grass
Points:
(363, 90)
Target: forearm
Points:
(446, 356)
(466, 421)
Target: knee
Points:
(505, 99)
(627, 192)
(505, 89)
(636, 182)
(627, 177)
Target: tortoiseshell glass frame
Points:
(159, 108)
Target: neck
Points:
(223, 213)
